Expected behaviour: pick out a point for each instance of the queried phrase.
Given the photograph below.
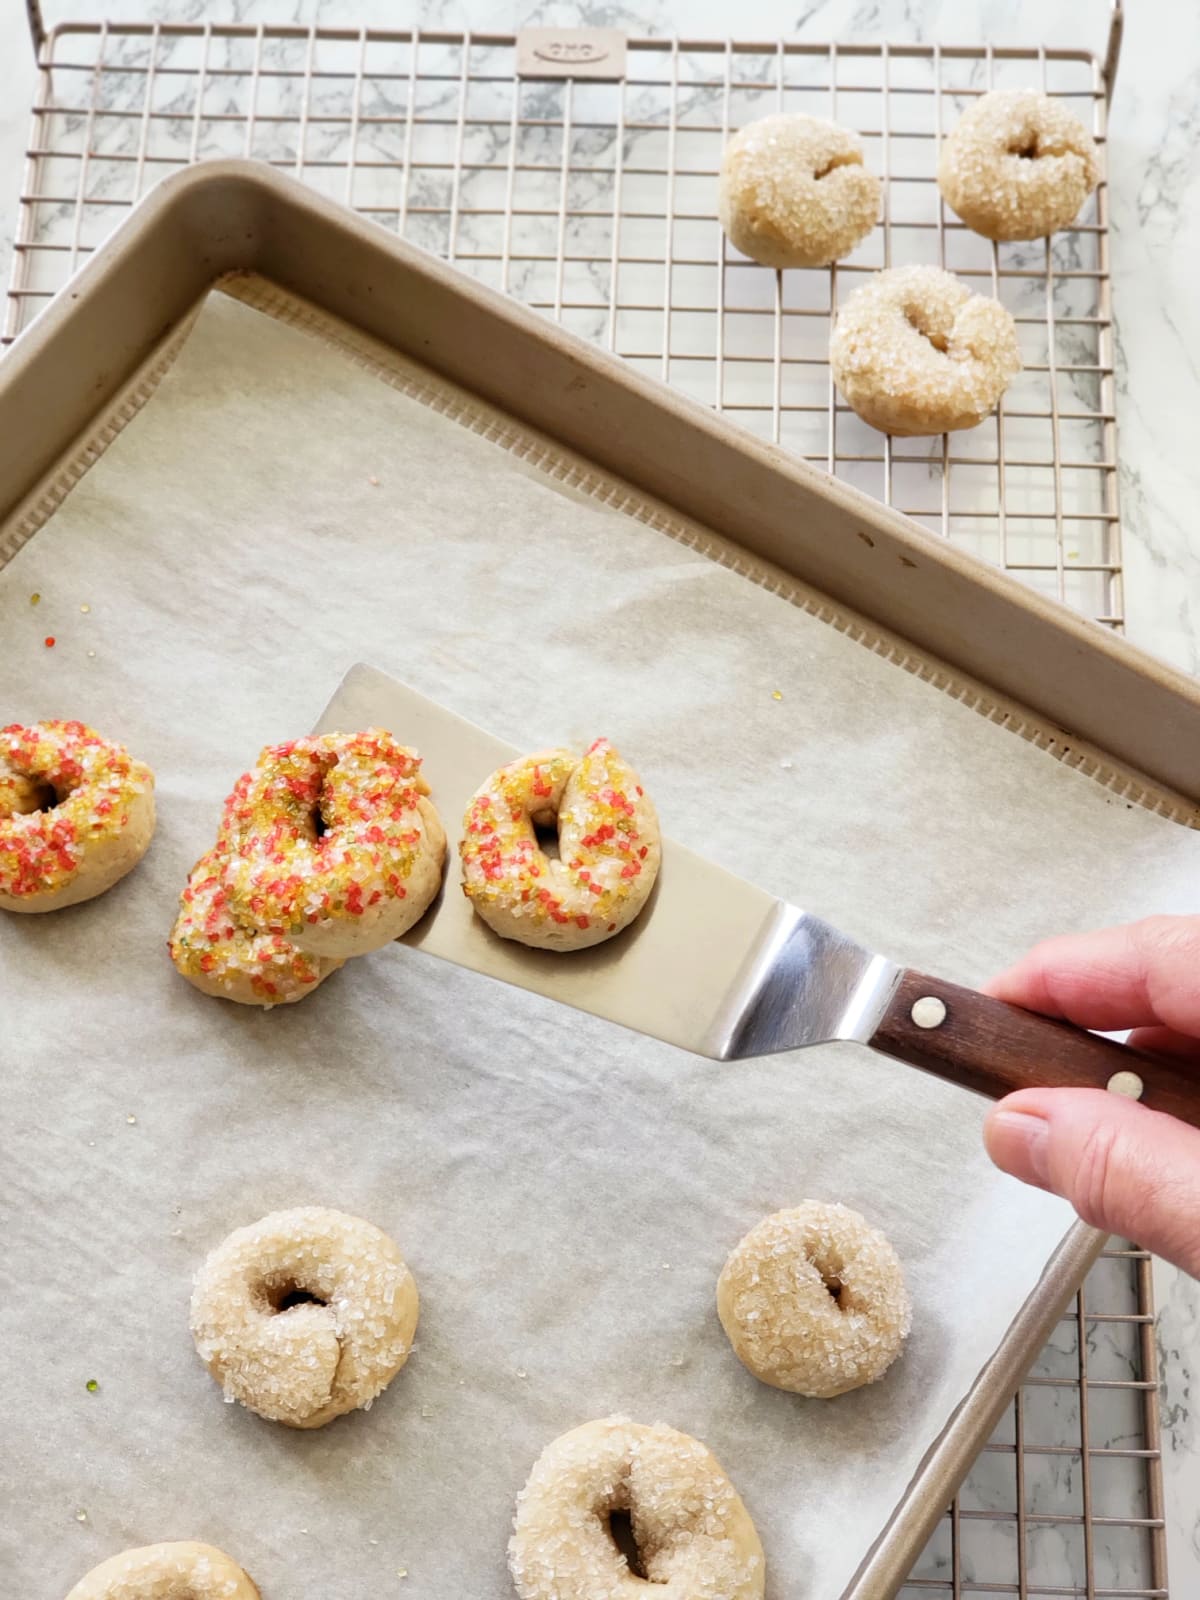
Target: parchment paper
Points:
(565, 1192)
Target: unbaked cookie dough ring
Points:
(915, 352)
(76, 814)
(219, 956)
(175, 1571)
(813, 1301)
(793, 192)
(609, 848)
(1018, 165)
(305, 1315)
(693, 1536)
(332, 843)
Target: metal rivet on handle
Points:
(928, 1011)
(1127, 1084)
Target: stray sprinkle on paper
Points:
(81, 1515)
(402, 1572)
(521, 1373)
(91, 653)
(34, 599)
(787, 765)
(49, 641)
(131, 1119)
(373, 481)
(776, 694)
(85, 609)
(92, 1386)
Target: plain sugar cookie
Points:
(305, 1315)
(915, 352)
(688, 1533)
(813, 1300)
(181, 1571)
(1018, 165)
(794, 192)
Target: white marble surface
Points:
(1155, 212)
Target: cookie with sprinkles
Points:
(221, 956)
(329, 847)
(609, 848)
(76, 814)
(333, 843)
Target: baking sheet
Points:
(564, 1192)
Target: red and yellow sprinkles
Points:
(208, 943)
(323, 828)
(66, 798)
(608, 848)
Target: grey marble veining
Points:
(1154, 165)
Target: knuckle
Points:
(1164, 934)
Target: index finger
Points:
(1144, 974)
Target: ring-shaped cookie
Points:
(915, 352)
(331, 842)
(813, 1301)
(76, 814)
(304, 1315)
(691, 1536)
(608, 848)
(173, 1571)
(794, 191)
(1017, 165)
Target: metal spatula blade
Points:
(713, 964)
(725, 970)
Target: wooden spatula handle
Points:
(994, 1048)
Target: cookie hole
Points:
(935, 339)
(620, 1527)
(1026, 149)
(46, 797)
(835, 1286)
(289, 1295)
(318, 822)
(547, 838)
(833, 164)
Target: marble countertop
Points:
(1154, 172)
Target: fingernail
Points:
(1020, 1145)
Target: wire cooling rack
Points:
(593, 201)
(1069, 1487)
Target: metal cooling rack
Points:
(1072, 1474)
(594, 202)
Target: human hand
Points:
(1124, 1168)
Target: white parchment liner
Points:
(564, 1192)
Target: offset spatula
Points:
(721, 968)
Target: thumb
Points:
(1124, 1168)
